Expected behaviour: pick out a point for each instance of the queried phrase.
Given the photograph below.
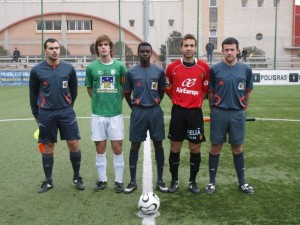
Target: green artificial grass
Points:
(271, 161)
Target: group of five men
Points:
(186, 81)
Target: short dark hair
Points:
(230, 41)
(188, 36)
(51, 40)
(101, 39)
(144, 44)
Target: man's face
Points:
(52, 51)
(188, 48)
(145, 53)
(104, 49)
(230, 52)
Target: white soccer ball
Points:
(149, 203)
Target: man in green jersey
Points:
(105, 78)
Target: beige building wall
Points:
(233, 20)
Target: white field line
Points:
(147, 176)
(166, 117)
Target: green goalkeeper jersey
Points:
(107, 81)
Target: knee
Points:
(73, 146)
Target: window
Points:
(213, 3)
(171, 22)
(214, 41)
(244, 3)
(213, 32)
(131, 23)
(79, 25)
(151, 23)
(49, 25)
(213, 14)
(276, 3)
(260, 3)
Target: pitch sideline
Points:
(166, 117)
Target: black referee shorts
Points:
(186, 124)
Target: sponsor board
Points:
(21, 77)
(276, 77)
(260, 77)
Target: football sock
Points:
(213, 163)
(239, 167)
(119, 167)
(160, 160)
(48, 162)
(133, 158)
(195, 160)
(174, 160)
(75, 158)
(101, 166)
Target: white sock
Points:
(119, 167)
(101, 166)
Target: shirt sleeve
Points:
(211, 87)
(128, 82)
(33, 92)
(169, 80)
(206, 78)
(88, 82)
(73, 85)
(122, 75)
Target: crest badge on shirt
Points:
(154, 86)
(65, 84)
(241, 86)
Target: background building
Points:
(265, 25)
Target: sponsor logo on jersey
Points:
(188, 82)
(186, 91)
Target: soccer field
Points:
(272, 151)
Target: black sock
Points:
(239, 167)
(213, 167)
(48, 162)
(195, 160)
(160, 160)
(133, 158)
(75, 158)
(174, 160)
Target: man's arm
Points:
(248, 95)
(90, 91)
(128, 98)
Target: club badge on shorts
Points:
(241, 86)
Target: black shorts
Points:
(186, 124)
(64, 120)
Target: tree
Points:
(173, 43)
(130, 58)
(3, 52)
(172, 47)
(63, 51)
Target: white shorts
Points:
(107, 128)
